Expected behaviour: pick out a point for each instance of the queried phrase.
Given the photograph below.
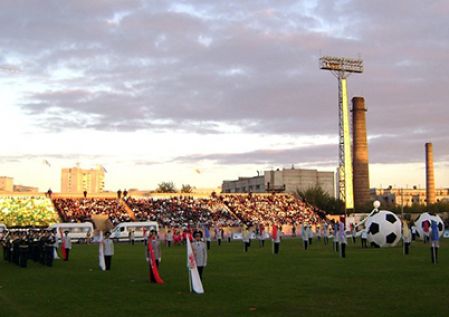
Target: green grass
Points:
(369, 282)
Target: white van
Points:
(122, 230)
(77, 231)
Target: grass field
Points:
(369, 282)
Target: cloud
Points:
(300, 155)
(387, 149)
(50, 157)
(198, 66)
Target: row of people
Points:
(82, 209)
(37, 245)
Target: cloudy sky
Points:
(157, 90)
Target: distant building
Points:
(77, 180)
(25, 189)
(406, 196)
(286, 180)
(6, 184)
(254, 184)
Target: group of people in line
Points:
(38, 245)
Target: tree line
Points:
(316, 196)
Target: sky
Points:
(196, 92)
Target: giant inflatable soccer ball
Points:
(384, 229)
(423, 223)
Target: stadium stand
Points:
(27, 211)
(82, 209)
(176, 211)
(277, 208)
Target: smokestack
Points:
(360, 153)
(430, 179)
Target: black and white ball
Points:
(384, 229)
(424, 221)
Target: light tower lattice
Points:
(341, 67)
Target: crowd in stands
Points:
(27, 211)
(277, 208)
(225, 210)
(82, 209)
(177, 211)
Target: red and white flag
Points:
(152, 262)
(63, 253)
(274, 232)
(196, 285)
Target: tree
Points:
(316, 196)
(166, 187)
(186, 188)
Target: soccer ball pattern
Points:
(384, 229)
(424, 221)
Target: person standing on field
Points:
(305, 236)
(131, 237)
(342, 237)
(245, 238)
(200, 252)
(67, 245)
(156, 247)
(169, 238)
(276, 238)
(108, 250)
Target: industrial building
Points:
(407, 196)
(285, 180)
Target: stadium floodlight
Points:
(341, 64)
(341, 67)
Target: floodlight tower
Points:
(342, 67)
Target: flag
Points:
(101, 262)
(196, 285)
(434, 233)
(152, 263)
(63, 253)
(405, 229)
(274, 232)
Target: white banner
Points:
(196, 285)
(101, 252)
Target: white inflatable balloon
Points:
(384, 229)
(424, 222)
